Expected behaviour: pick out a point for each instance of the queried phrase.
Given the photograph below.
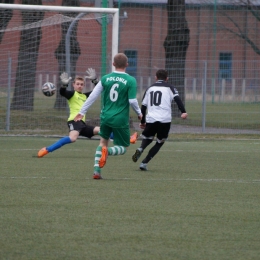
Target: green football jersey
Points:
(118, 88)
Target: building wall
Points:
(145, 30)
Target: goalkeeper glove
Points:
(65, 79)
(92, 75)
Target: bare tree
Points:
(5, 17)
(27, 59)
(60, 52)
(237, 25)
(176, 44)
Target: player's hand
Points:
(78, 117)
(142, 126)
(140, 116)
(91, 74)
(65, 79)
(184, 115)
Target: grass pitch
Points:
(199, 200)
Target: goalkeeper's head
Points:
(120, 61)
(162, 75)
(78, 84)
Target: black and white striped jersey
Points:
(158, 99)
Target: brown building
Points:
(217, 41)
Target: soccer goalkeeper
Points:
(76, 99)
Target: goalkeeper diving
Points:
(75, 99)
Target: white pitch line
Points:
(210, 151)
(192, 151)
(169, 179)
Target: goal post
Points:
(37, 44)
(113, 11)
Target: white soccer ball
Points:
(48, 89)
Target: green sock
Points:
(116, 150)
(97, 158)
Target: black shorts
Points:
(161, 130)
(81, 127)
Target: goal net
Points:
(37, 44)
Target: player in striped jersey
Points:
(157, 102)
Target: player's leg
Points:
(89, 131)
(63, 141)
(133, 137)
(148, 136)
(162, 135)
(101, 151)
(152, 152)
(100, 158)
(55, 146)
(121, 141)
(96, 130)
(73, 135)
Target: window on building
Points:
(132, 62)
(225, 65)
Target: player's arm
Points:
(65, 79)
(178, 101)
(132, 98)
(145, 101)
(134, 104)
(91, 99)
(143, 110)
(180, 106)
(91, 74)
(143, 120)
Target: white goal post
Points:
(37, 44)
(113, 11)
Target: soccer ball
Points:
(48, 89)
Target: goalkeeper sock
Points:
(58, 144)
(116, 150)
(111, 136)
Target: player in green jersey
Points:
(76, 99)
(118, 92)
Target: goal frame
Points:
(113, 11)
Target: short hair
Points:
(162, 74)
(78, 78)
(120, 61)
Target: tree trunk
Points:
(5, 17)
(176, 44)
(27, 60)
(60, 52)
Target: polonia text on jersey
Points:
(117, 79)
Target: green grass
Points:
(199, 200)
(225, 115)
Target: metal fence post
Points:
(204, 98)
(7, 128)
